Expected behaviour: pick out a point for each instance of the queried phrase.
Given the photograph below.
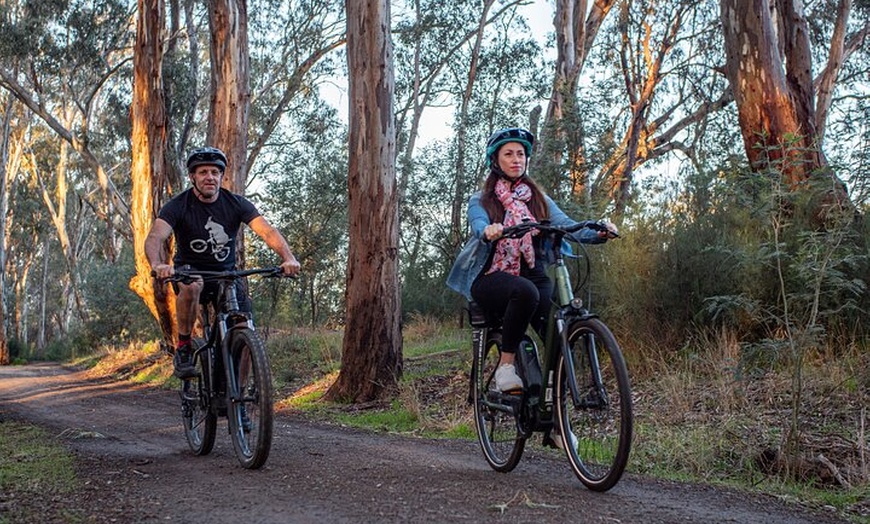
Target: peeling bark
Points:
(371, 362)
(150, 169)
(773, 90)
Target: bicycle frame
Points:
(228, 317)
(565, 308)
(564, 387)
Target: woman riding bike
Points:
(506, 277)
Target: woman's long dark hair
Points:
(537, 205)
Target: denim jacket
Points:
(473, 257)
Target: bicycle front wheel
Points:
(200, 421)
(495, 421)
(250, 415)
(596, 428)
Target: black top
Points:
(205, 233)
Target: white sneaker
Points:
(557, 439)
(506, 378)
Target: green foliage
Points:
(306, 198)
(396, 420)
(116, 314)
(298, 355)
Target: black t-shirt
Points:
(205, 233)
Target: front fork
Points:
(228, 324)
(596, 397)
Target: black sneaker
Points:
(183, 362)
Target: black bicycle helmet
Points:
(210, 156)
(508, 134)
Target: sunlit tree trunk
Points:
(769, 68)
(56, 204)
(149, 169)
(41, 337)
(371, 362)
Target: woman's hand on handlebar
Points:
(493, 232)
(611, 230)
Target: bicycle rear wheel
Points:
(495, 422)
(200, 421)
(601, 422)
(250, 415)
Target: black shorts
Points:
(210, 291)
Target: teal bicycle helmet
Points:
(508, 134)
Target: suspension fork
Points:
(591, 350)
(568, 357)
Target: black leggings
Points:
(517, 300)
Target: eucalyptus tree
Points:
(62, 60)
(506, 90)
(5, 130)
(294, 48)
(150, 169)
(433, 37)
(371, 361)
(230, 87)
(770, 66)
(305, 196)
(460, 59)
(576, 25)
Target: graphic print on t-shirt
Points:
(216, 243)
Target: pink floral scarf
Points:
(509, 250)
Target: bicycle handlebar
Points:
(521, 229)
(187, 275)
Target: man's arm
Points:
(160, 231)
(275, 240)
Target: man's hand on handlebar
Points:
(290, 267)
(163, 271)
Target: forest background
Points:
(743, 211)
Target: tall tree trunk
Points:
(371, 361)
(5, 131)
(41, 338)
(770, 73)
(57, 209)
(230, 95)
(230, 88)
(150, 170)
(576, 27)
(457, 211)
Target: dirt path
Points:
(137, 468)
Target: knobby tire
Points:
(199, 419)
(252, 439)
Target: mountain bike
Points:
(576, 386)
(233, 378)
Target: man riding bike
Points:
(206, 214)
